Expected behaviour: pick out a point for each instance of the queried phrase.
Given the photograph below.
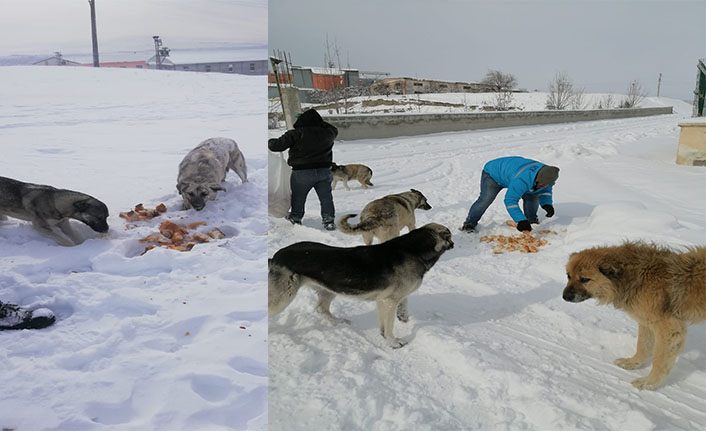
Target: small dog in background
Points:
(49, 209)
(346, 173)
(203, 170)
(384, 218)
(663, 290)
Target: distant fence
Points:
(376, 126)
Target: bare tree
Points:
(635, 95)
(578, 101)
(561, 91)
(502, 85)
(499, 81)
(606, 102)
(503, 100)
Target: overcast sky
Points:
(45, 26)
(603, 45)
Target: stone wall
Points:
(376, 126)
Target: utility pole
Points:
(157, 59)
(659, 83)
(94, 33)
(275, 65)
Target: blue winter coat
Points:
(517, 174)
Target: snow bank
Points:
(436, 103)
(164, 340)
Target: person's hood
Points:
(547, 175)
(309, 118)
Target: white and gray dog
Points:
(204, 169)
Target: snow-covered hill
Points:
(166, 340)
(436, 103)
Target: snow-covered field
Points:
(162, 341)
(492, 343)
(438, 103)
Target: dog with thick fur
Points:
(384, 218)
(346, 173)
(49, 209)
(663, 290)
(386, 273)
(204, 169)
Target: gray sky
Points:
(603, 45)
(45, 26)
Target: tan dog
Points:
(384, 218)
(663, 290)
(346, 173)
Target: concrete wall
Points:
(375, 126)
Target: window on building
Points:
(208, 68)
(252, 67)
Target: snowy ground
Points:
(166, 340)
(437, 103)
(492, 343)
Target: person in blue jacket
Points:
(524, 179)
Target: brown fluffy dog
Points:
(662, 289)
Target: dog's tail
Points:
(367, 225)
(370, 175)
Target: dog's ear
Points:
(81, 206)
(416, 191)
(611, 270)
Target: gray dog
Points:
(49, 209)
(384, 218)
(204, 169)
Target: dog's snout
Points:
(569, 294)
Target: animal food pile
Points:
(523, 242)
(177, 237)
(171, 235)
(142, 213)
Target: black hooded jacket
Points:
(310, 143)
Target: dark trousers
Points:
(302, 181)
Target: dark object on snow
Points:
(549, 209)
(547, 175)
(16, 317)
(524, 226)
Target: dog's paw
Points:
(644, 384)
(627, 363)
(403, 318)
(341, 321)
(396, 343)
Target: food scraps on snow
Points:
(524, 242)
(177, 237)
(142, 213)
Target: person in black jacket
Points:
(310, 146)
